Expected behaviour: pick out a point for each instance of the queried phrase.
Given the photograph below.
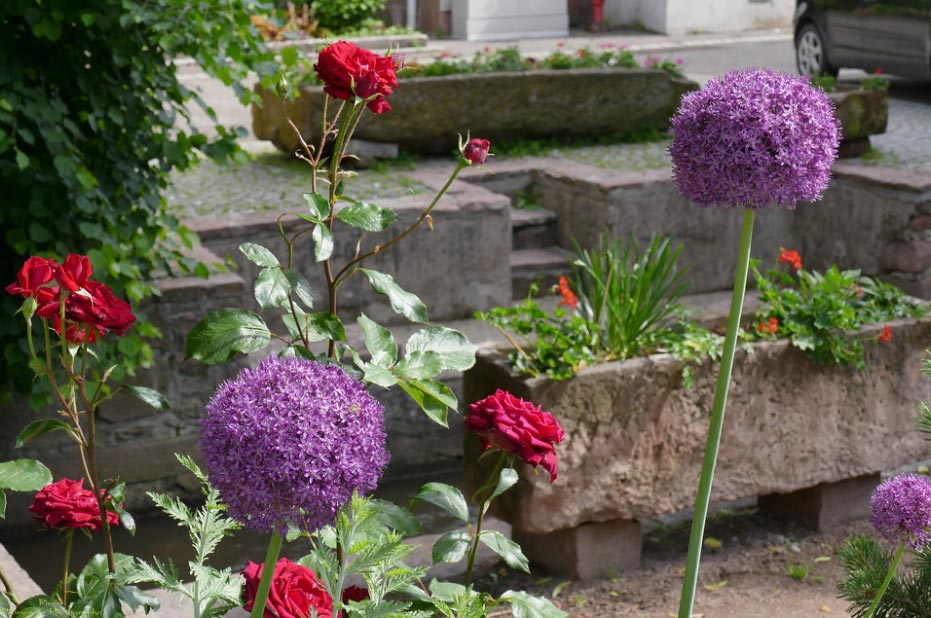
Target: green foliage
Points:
(545, 146)
(91, 122)
(866, 562)
(828, 83)
(346, 15)
(875, 82)
(21, 475)
(822, 312)
(673, 67)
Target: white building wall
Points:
(649, 14)
(686, 16)
(489, 20)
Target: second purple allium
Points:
(289, 442)
(901, 510)
(752, 138)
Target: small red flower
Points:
(569, 299)
(770, 326)
(878, 71)
(66, 504)
(476, 151)
(582, 53)
(518, 427)
(791, 258)
(886, 335)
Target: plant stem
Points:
(690, 581)
(482, 508)
(8, 587)
(899, 550)
(268, 570)
(64, 580)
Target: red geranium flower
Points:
(294, 591)
(518, 427)
(66, 504)
(569, 299)
(343, 64)
(886, 335)
(790, 257)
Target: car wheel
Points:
(810, 53)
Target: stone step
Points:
(543, 266)
(533, 228)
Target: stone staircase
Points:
(535, 256)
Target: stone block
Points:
(919, 287)
(826, 505)
(908, 257)
(587, 551)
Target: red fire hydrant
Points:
(597, 24)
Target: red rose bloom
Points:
(343, 64)
(66, 504)
(96, 306)
(517, 427)
(33, 279)
(74, 272)
(476, 150)
(294, 590)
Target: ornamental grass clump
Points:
(750, 139)
(290, 441)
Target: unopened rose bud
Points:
(476, 150)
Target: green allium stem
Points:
(268, 570)
(899, 550)
(690, 581)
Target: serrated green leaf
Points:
(223, 333)
(454, 350)
(506, 548)
(272, 288)
(323, 242)
(451, 547)
(379, 342)
(368, 217)
(319, 205)
(300, 286)
(149, 396)
(24, 475)
(259, 255)
(434, 408)
(41, 427)
(447, 497)
(506, 480)
(402, 302)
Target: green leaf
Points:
(223, 333)
(22, 160)
(419, 366)
(402, 302)
(319, 205)
(453, 349)
(325, 325)
(524, 605)
(136, 598)
(300, 286)
(396, 517)
(258, 255)
(447, 497)
(506, 548)
(41, 606)
(323, 242)
(434, 408)
(368, 217)
(149, 396)
(506, 480)
(451, 547)
(41, 427)
(289, 56)
(272, 288)
(378, 341)
(376, 374)
(24, 475)
(2, 516)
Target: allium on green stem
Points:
(901, 510)
(753, 138)
(290, 441)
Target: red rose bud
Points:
(517, 427)
(476, 150)
(66, 504)
(33, 279)
(343, 64)
(294, 591)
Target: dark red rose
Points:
(66, 504)
(476, 150)
(294, 590)
(343, 64)
(517, 427)
(35, 279)
(95, 305)
(354, 593)
(74, 272)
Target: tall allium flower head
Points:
(289, 442)
(901, 510)
(752, 138)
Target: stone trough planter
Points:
(428, 112)
(808, 439)
(861, 113)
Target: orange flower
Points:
(569, 299)
(886, 335)
(790, 257)
(770, 326)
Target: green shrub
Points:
(342, 15)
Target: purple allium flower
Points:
(753, 138)
(289, 441)
(901, 510)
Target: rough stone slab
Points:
(909, 257)
(636, 437)
(826, 505)
(22, 584)
(587, 551)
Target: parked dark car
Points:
(891, 35)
